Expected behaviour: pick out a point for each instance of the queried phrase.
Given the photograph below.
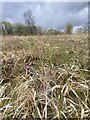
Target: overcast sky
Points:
(46, 14)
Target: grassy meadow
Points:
(44, 77)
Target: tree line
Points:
(30, 28)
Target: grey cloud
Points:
(75, 7)
(46, 14)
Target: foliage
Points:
(19, 29)
(68, 28)
(29, 20)
(6, 28)
(53, 31)
(80, 30)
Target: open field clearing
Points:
(44, 77)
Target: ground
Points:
(44, 77)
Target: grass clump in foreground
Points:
(44, 78)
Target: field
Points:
(44, 77)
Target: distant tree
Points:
(34, 30)
(44, 31)
(53, 31)
(79, 30)
(39, 30)
(7, 28)
(18, 29)
(69, 28)
(1, 30)
(85, 27)
(29, 20)
(25, 30)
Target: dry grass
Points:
(44, 77)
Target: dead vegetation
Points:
(44, 77)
